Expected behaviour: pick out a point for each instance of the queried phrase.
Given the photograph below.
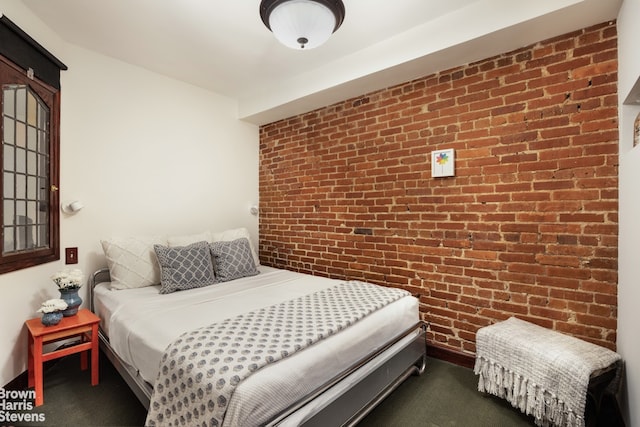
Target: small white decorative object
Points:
(52, 305)
(443, 163)
(68, 279)
(52, 311)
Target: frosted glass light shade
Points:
(302, 24)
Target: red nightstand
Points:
(83, 325)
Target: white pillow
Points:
(132, 261)
(190, 239)
(235, 234)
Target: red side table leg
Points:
(30, 376)
(94, 355)
(37, 370)
(84, 363)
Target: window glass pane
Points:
(43, 142)
(8, 101)
(43, 236)
(8, 158)
(21, 160)
(9, 214)
(21, 237)
(8, 185)
(9, 131)
(31, 109)
(21, 187)
(43, 165)
(9, 243)
(21, 104)
(21, 211)
(32, 188)
(43, 186)
(21, 134)
(43, 117)
(32, 212)
(43, 213)
(32, 163)
(32, 138)
(24, 232)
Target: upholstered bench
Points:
(542, 372)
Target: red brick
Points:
(527, 227)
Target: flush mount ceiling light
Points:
(302, 24)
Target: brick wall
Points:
(527, 227)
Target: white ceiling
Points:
(223, 46)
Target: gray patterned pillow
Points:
(233, 260)
(184, 267)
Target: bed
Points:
(336, 380)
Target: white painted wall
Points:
(145, 154)
(629, 265)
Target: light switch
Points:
(71, 255)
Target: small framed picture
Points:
(636, 131)
(443, 163)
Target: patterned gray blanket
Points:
(201, 369)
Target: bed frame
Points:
(357, 400)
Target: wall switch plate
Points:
(71, 255)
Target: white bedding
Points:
(141, 323)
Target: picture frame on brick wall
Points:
(443, 163)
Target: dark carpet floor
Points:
(445, 395)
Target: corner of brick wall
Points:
(527, 227)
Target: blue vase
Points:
(50, 319)
(73, 300)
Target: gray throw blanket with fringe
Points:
(201, 369)
(539, 371)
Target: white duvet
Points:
(141, 323)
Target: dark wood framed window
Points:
(29, 156)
